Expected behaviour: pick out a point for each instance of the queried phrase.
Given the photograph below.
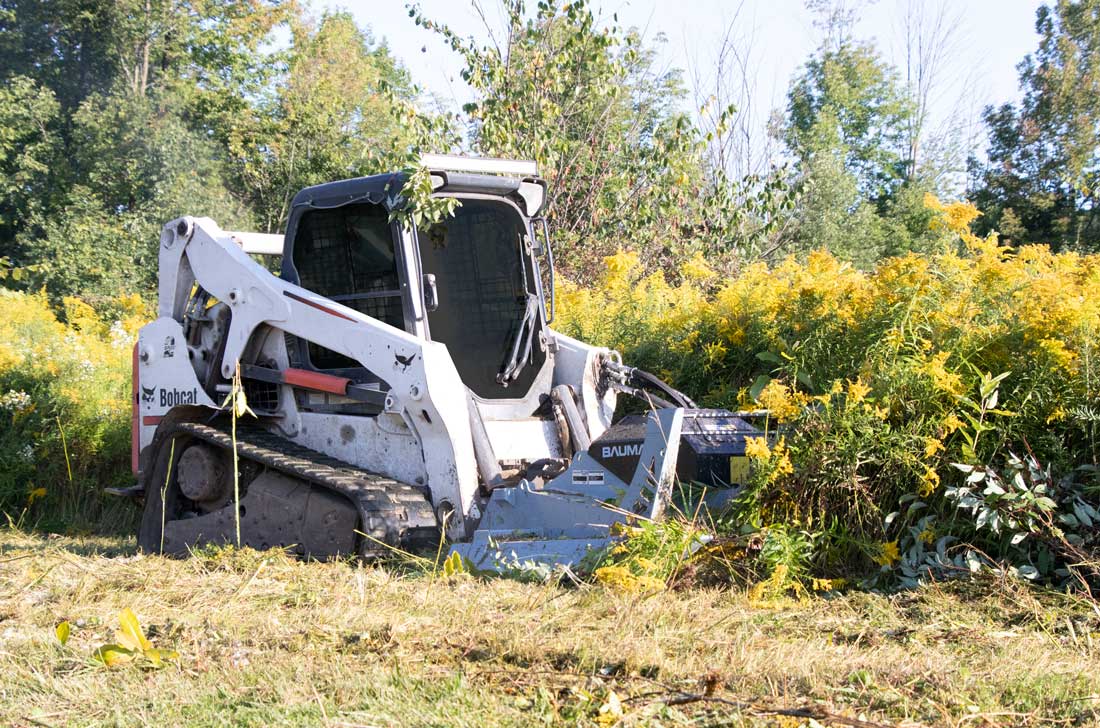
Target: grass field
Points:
(265, 640)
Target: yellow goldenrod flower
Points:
(888, 554)
(757, 448)
(620, 578)
(942, 379)
(951, 423)
(781, 402)
(1059, 354)
(715, 352)
(783, 466)
(929, 482)
(622, 263)
(828, 584)
(617, 577)
(696, 268)
(932, 446)
(857, 391)
(954, 217)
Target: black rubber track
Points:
(391, 512)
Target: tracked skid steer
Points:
(404, 386)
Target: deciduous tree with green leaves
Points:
(846, 121)
(138, 165)
(116, 125)
(340, 110)
(623, 161)
(1039, 183)
(28, 144)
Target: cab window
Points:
(483, 278)
(347, 254)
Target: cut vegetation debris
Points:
(268, 640)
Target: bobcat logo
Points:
(148, 394)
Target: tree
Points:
(333, 114)
(748, 196)
(622, 161)
(1042, 171)
(933, 68)
(28, 144)
(66, 46)
(849, 100)
(117, 126)
(850, 126)
(727, 96)
(160, 108)
(139, 165)
(210, 50)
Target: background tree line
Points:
(117, 116)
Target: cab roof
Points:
(386, 189)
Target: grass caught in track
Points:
(266, 640)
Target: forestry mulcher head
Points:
(400, 382)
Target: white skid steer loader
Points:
(403, 382)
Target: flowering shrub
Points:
(65, 403)
(877, 381)
(648, 558)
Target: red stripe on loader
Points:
(317, 306)
(316, 381)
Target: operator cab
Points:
(477, 281)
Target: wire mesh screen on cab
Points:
(347, 254)
(482, 278)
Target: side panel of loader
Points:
(425, 392)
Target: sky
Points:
(991, 38)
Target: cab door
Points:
(484, 281)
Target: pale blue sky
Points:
(992, 37)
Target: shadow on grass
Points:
(93, 525)
(15, 542)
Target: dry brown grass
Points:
(266, 640)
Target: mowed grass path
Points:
(265, 640)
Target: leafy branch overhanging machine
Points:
(403, 381)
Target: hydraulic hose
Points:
(634, 382)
